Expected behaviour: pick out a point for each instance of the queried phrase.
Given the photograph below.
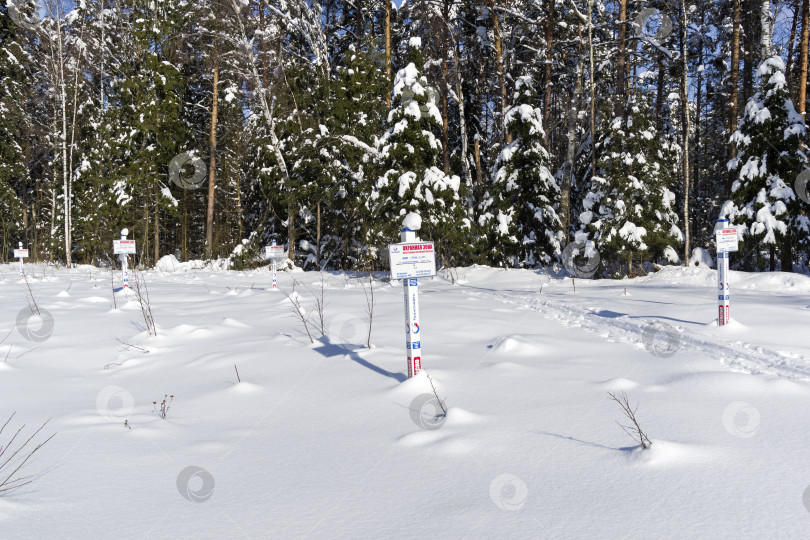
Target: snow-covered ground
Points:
(326, 440)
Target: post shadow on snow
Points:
(587, 443)
(607, 314)
(329, 350)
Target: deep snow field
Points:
(327, 440)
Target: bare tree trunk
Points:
(659, 91)
(748, 51)
(686, 127)
(567, 181)
(802, 94)
(291, 232)
(212, 166)
(465, 165)
(496, 30)
(318, 235)
(156, 247)
(549, 53)
(765, 23)
(792, 40)
(733, 91)
(445, 89)
(618, 106)
(478, 178)
(388, 52)
(593, 88)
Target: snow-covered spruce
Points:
(763, 205)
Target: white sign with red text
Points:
(20, 253)
(726, 240)
(124, 247)
(412, 260)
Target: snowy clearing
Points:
(323, 440)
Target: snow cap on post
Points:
(412, 222)
(124, 232)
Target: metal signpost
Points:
(411, 260)
(726, 241)
(122, 248)
(274, 253)
(21, 254)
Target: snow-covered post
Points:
(122, 247)
(726, 241)
(411, 260)
(21, 253)
(274, 252)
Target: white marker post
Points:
(411, 260)
(21, 254)
(122, 248)
(726, 240)
(275, 254)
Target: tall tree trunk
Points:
(388, 52)
(748, 51)
(699, 107)
(567, 181)
(445, 91)
(733, 90)
(318, 235)
(618, 105)
(549, 56)
(291, 232)
(263, 43)
(496, 31)
(802, 93)
(686, 127)
(479, 186)
(593, 88)
(765, 24)
(212, 166)
(792, 40)
(156, 242)
(659, 91)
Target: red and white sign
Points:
(412, 260)
(726, 240)
(126, 247)
(20, 253)
(274, 252)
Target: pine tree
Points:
(763, 205)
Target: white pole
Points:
(413, 336)
(22, 276)
(274, 267)
(123, 257)
(723, 291)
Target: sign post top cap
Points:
(124, 231)
(412, 222)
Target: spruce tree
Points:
(519, 212)
(763, 205)
(628, 211)
(411, 180)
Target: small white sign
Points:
(124, 246)
(726, 240)
(412, 260)
(274, 252)
(20, 253)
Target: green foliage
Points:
(629, 210)
(763, 204)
